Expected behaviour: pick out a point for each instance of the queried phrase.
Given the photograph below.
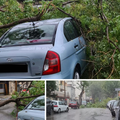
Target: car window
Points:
(73, 102)
(54, 103)
(37, 104)
(76, 27)
(60, 103)
(70, 31)
(115, 103)
(29, 35)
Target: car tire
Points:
(76, 74)
(113, 114)
(59, 110)
(67, 109)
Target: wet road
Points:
(83, 114)
(5, 112)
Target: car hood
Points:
(31, 115)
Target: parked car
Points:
(60, 106)
(48, 49)
(74, 104)
(35, 110)
(117, 110)
(109, 103)
(49, 106)
(114, 105)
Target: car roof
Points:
(56, 101)
(40, 97)
(37, 23)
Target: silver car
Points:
(48, 49)
(33, 111)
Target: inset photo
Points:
(22, 100)
(83, 100)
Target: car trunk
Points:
(23, 60)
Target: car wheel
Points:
(76, 74)
(67, 109)
(59, 110)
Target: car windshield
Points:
(29, 35)
(115, 103)
(38, 104)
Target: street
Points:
(83, 114)
(5, 111)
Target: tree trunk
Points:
(80, 96)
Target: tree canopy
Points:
(98, 19)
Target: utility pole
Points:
(15, 85)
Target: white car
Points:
(60, 106)
(35, 110)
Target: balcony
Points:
(61, 94)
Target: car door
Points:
(82, 49)
(64, 106)
(60, 105)
(75, 45)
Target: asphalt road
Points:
(5, 112)
(83, 114)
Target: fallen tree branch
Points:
(1, 8)
(36, 18)
(17, 99)
(65, 13)
(113, 66)
(68, 2)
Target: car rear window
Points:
(54, 103)
(38, 104)
(29, 35)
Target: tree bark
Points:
(80, 96)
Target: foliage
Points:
(37, 89)
(50, 87)
(95, 90)
(14, 11)
(100, 90)
(98, 104)
(109, 88)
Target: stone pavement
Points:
(5, 111)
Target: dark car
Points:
(49, 106)
(113, 107)
(109, 103)
(74, 104)
(117, 111)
